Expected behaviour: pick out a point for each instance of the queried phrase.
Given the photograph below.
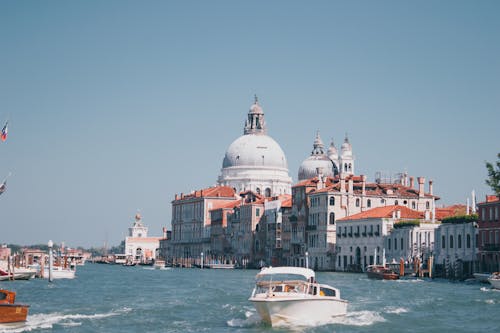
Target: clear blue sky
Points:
(115, 106)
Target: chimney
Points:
(363, 184)
(201, 193)
(430, 186)
(398, 214)
(164, 233)
(421, 181)
(319, 173)
(350, 185)
(412, 182)
(175, 196)
(342, 183)
(393, 214)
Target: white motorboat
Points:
(291, 295)
(59, 272)
(494, 279)
(482, 277)
(18, 274)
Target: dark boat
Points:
(10, 312)
(380, 273)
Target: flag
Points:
(4, 132)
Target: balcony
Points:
(344, 235)
(370, 234)
(339, 235)
(350, 234)
(377, 233)
(363, 234)
(356, 234)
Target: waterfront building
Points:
(243, 226)
(138, 246)
(455, 248)
(191, 220)
(220, 242)
(5, 252)
(165, 247)
(361, 238)
(271, 232)
(343, 196)
(489, 234)
(255, 161)
(411, 240)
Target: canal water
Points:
(107, 298)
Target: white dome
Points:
(255, 150)
(308, 168)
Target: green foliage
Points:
(410, 223)
(460, 219)
(493, 180)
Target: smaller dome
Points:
(316, 161)
(346, 147)
(332, 153)
(138, 217)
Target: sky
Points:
(115, 106)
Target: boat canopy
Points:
(305, 272)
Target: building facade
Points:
(489, 234)
(138, 246)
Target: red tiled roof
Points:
(385, 212)
(217, 191)
(453, 210)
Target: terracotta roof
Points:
(385, 212)
(217, 191)
(144, 239)
(453, 210)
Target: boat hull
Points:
(59, 273)
(13, 313)
(278, 312)
(495, 283)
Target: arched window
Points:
(368, 203)
(257, 190)
(459, 241)
(345, 166)
(468, 241)
(451, 241)
(395, 244)
(332, 218)
(402, 243)
(268, 192)
(357, 202)
(427, 205)
(443, 242)
(332, 201)
(350, 167)
(396, 202)
(413, 204)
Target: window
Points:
(257, 190)
(396, 203)
(389, 243)
(413, 204)
(395, 244)
(427, 205)
(443, 242)
(459, 241)
(468, 241)
(451, 241)
(332, 201)
(257, 212)
(401, 243)
(369, 203)
(332, 218)
(357, 202)
(268, 192)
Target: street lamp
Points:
(201, 259)
(50, 245)
(307, 259)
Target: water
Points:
(105, 298)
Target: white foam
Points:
(360, 318)
(251, 320)
(48, 320)
(395, 310)
(489, 301)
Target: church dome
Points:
(346, 149)
(254, 161)
(255, 150)
(317, 160)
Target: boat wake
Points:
(395, 310)
(490, 289)
(48, 320)
(355, 318)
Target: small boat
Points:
(59, 272)
(291, 295)
(221, 266)
(380, 273)
(19, 274)
(10, 312)
(482, 277)
(494, 279)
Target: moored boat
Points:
(59, 272)
(494, 279)
(281, 298)
(380, 273)
(18, 274)
(10, 312)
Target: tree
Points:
(493, 180)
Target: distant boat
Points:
(19, 274)
(291, 295)
(10, 312)
(221, 266)
(494, 279)
(380, 273)
(59, 272)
